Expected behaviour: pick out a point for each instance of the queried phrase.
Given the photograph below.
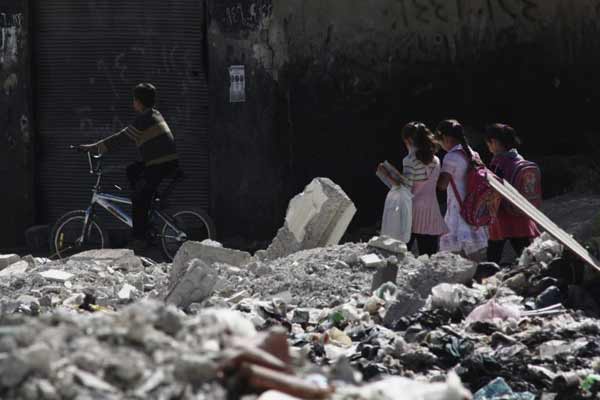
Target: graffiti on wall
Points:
(236, 15)
(11, 30)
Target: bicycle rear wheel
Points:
(195, 224)
(67, 237)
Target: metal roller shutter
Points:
(88, 56)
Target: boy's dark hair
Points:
(145, 93)
(503, 133)
(422, 139)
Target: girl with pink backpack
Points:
(466, 237)
(511, 225)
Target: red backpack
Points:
(526, 177)
(481, 204)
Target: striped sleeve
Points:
(119, 139)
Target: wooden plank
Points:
(512, 195)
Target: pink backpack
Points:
(526, 177)
(480, 205)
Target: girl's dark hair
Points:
(146, 94)
(453, 128)
(503, 133)
(422, 139)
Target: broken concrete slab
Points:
(209, 253)
(56, 275)
(317, 217)
(8, 259)
(20, 267)
(194, 285)
(104, 254)
(390, 245)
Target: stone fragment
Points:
(126, 293)
(372, 261)
(46, 390)
(170, 320)
(123, 371)
(549, 297)
(20, 267)
(13, 370)
(8, 259)
(317, 217)
(237, 297)
(56, 275)
(208, 254)
(195, 369)
(389, 245)
(91, 381)
(128, 263)
(194, 285)
(518, 283)
(384, 274)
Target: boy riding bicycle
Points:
(156, 144)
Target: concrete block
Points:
(389, 245)
(194, 285)
(19, 267)
(317, 217)
(372, 261)
(56, 275)
(208, 253)
(384, 274)
(8, 259)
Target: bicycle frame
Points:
(110, 203)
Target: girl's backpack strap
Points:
(455, 190)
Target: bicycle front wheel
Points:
(68, 238)
(185, 225)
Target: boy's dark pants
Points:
(496, 248)
(144, 182)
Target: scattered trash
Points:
(317, 323)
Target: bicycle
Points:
(79, 230)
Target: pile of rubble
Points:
(106, 278)
(305, 319)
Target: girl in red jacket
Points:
(518, 229)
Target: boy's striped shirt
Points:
(152, 136)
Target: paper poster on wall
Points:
(237, 87)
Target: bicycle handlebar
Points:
(89, 157)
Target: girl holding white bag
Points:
(422, 169)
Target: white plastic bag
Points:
(397, 214)
(492, 310)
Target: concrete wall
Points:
(16, 130)
(331, 82)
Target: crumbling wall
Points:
(16, 130)
(330, 83)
